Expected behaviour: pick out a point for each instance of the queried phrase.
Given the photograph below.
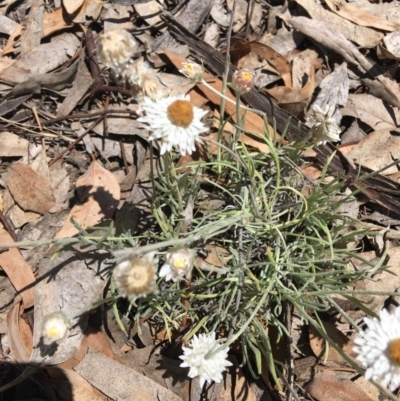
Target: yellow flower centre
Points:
(247, 76)
(189, 68)
(180, 113)
(52, 332)
(393, 351)
(180, 264)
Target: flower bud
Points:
(192, 71)
(55, 328)
(243, 80)
(178, 264)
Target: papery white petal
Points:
(372, 349)
(209, 369)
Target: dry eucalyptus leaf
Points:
(7, 25)
(377, 150)
(219, 14)
(33, 27)
(120, 125)
(241, 48)
(371, 111)
(284, 42)
(67, 381)
(318, 343)
(367, 387)
(335, 87)
(59, 181)
(326, 386)
(295, 100)
(52, 22)
(42, 59)
(55, 81)
(71, 6)
(212, 34)
(31, 191)
(40, 165)
(19, 218)
(12, 145)
(107, 147)
(150, 11)
(363, 36)
(90, 10)
(160, 369)
(381, 282)
(17, 270)
(392, 43)
(99, 193)
(361, 17)
(327, 35)
(20, 348)
(241, 12)
(82, 82)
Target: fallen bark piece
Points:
(120, 382)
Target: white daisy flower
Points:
(178, 264)
(135, 276)
(378, 349)
(323, 125)
(175, 121)
(194, 358)
(55, 328)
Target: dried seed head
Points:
(116, 48)
(135, 276)
(143, 81)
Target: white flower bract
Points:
(174, 121)
(143, 81)
(378, 349)
(116, 47)
(323, 125)
(209, 369)
(178, 264)
(55, 328)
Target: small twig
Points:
(227, 63)
(186, 303)
(7, 226)
(240, 284)
(60, 155)
(107, 102)
(93, 65)
(123, 155)
(86, 115)
(249, 17)
(290, 374)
